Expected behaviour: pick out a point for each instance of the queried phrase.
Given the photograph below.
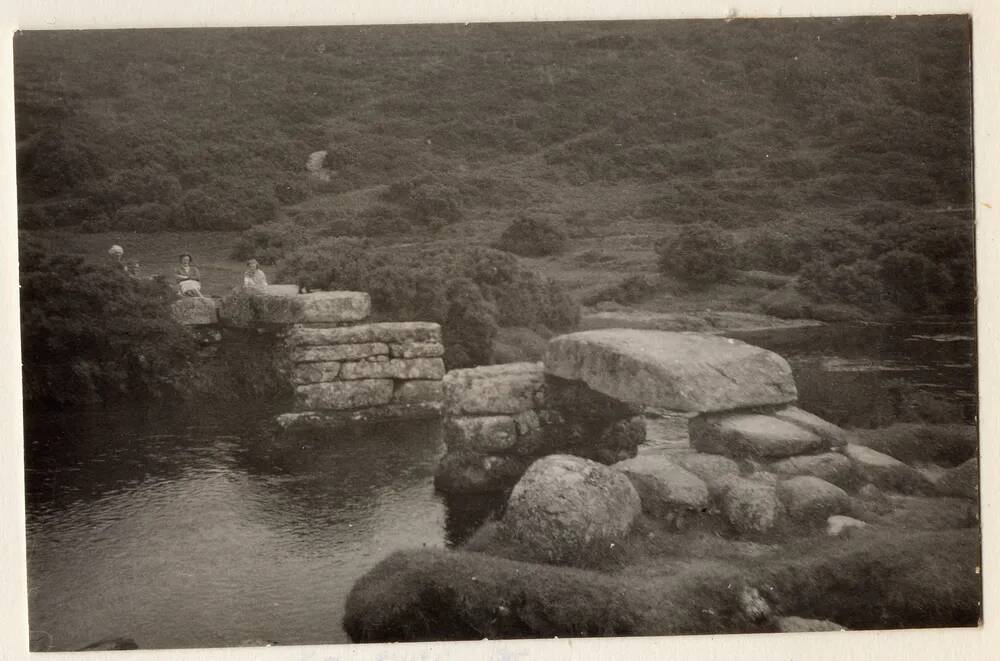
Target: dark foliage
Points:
(471, 292)
(532, 237)
(701, 254)
(92, 333)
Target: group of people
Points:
(186, 275)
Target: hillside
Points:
(833, 141)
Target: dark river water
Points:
(188, 528)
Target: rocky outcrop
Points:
(887, 473)
(794, 624)
(810, 499)
(839, 524)
(750, 506)
(666, 490)
(565, 505)
(678, 371)
(961, 481)
(754, 435)
(830, 466)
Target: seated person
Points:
(188, 277)
(253, 277)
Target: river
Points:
(188, 528)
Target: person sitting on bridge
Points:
(188, 277)
(253, 277)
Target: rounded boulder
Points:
(563, 506)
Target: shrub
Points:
(532, 237)
(701, 254)
(92, 333)
(632, 289)
(769, 250)
(268, 243)
(149, 217)
(471, 292)
(910, 279)
(857, 283)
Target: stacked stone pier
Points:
(338, 366)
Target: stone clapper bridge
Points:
(756, 456)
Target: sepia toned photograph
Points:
(445, 332)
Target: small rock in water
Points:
(837, 524)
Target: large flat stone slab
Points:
(394, 368)
(394, 332)
(338, 352)
(678, 371)
(252, 307)
(752, 435)
(495, 389)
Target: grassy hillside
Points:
(835, 141)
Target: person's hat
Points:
(116, 250)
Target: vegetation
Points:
(819, 143)
(449, 595)
(471, 292)
(91, 333)
(700, 254)
(532, 237)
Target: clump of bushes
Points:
(471, 292)
(268, 243)
(427, 201)
(700, 254)
(633, 289)
(91, 333)
(532, 237)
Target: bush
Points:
(149, 217)
(471, 292)
(632, 289)
(769, 250)
(910, 279)
(92, 333)
(701, 254)
(268, 243)
(857, 283)
(532, 237)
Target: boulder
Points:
(418, 392)
(838, 524)
(751, 435)
(792, 624)
(750, 506)
(417, 350)
(195, 311)
(664, 488)
(304, 373)
(678, 371)
(834, 436)
(564, 506)
(830, 466)
(961, 481)
(394, 368)
(709, 467)
(885, 472)
(809, 498)
(485, 434)
(495, 389)
(340, 395)
(471, 472)
(396, 332)
(252, 307)
(338, 352)
(874, 500)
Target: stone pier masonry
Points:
(339, 367)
